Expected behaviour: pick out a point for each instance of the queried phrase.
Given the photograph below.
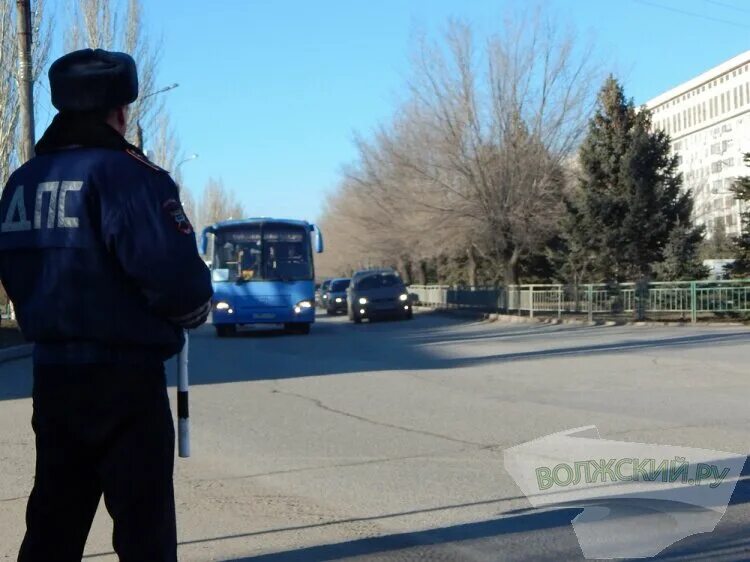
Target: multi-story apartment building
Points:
(708, 119)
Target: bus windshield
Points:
(265, 252)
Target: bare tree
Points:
(8, 90)
(9, 102)
(165, 146)
(106, 24)
(218, 203)
(471, 169)
(188, 203)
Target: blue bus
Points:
(262, 272)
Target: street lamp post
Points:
(177, 167)
(188, 159)
(164, 89)
(138, 127)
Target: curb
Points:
(16, 352)
(512, 319)
(515, 319)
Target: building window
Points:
(715, 169)
(742, 96)
(716, 148)
(734, 92)
(722, 103)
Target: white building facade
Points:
(708, 119)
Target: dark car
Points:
(378, 293)
(320, 293)
(336, 296)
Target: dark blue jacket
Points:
(98, 257)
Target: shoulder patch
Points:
(177, 216)
(145, 161)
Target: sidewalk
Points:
(12, 344)
(600, 321)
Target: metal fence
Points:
(682, 300)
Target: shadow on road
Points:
(336, 346)
(505, 537)
(494, 538)
(423, 540)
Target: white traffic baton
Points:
(183, 412)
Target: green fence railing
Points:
(684, 299)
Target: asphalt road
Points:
(385, 441)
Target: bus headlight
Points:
(302, 305)
(362, 300)
(222, 306)
(404, 297)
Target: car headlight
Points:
(222, 305)
(404, 297)
(339, 299)
(362, 300)
(302, 305)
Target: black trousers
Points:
(101, 429)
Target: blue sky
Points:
(271, 92)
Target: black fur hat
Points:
(90, 80)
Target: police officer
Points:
(101, 264)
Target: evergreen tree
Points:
(629, 198)
(719, 246)
(682, 261)
(741, 190)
